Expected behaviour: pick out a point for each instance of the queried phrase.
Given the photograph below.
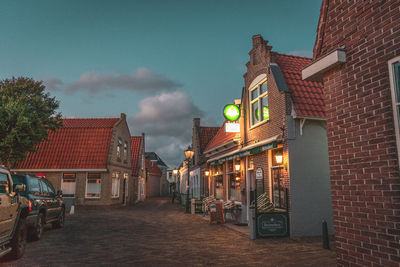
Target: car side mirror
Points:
(59, 193)
(19, 188)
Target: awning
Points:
(247, 150)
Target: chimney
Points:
(196, 123)
(123, 116)
(257, 40)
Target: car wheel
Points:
(61, 220)
(38, 230)
(18, 241)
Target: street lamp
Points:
(189, 155)
(278, 157)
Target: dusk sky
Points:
(160, 62)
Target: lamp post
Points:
(189, 155)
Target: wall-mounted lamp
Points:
(207, 173)
(279, 157)
(237, 167)
(175, 171)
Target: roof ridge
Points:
(288, 55)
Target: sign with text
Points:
(216, 212)
(259, 174)
(232, 127)
(272, 224)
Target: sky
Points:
(162, 63)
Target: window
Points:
(259, 101)
(34, 186)
(93, 185)
(119, 144)
(45, 190)
(49, 188)
(4, 183)
(68, 184)
(394, 74)
(115, 184)
(126, 151)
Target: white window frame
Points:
(395, 104)
(87, 179)
(62, 182)
(115, 177)
(259, 100)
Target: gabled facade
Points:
(357, 56)
(200, 139)
(88, 159)
(281, 117)
(138, 167)
(157, 183)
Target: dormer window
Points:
(259, 101)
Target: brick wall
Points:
(362, 144)
(279, 106)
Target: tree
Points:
(27, 114)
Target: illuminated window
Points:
(259, 101)
(93, 185)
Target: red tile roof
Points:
(153, 168)
(307, 96)
(79, 144)
(206, 134)
(219, 138)
(136, 142)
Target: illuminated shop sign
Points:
(232, 127)
(231, 112)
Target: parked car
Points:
(45, 206)
(13, 213)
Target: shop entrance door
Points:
(279, 191)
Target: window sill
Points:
(258, 124)
(92, 198)
(115, 197)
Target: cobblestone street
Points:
(158, 233)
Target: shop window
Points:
(279, 189)
(394, 74)
(115, 184)
(251, 163)
(93, 185)
(68, 184)
(219, 187)
(234, 187)
(259, 102)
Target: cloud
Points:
(302, 53)
(142, 80)
(167, 121)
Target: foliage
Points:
(27, 114)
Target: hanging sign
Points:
(259, 174)
(232, 127)
(231, 112)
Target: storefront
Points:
(280, 154)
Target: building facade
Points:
(138, 167)
(157, 183)
(88, 159)
(357, 56)
(281, 117)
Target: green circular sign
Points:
(231, 112)
(265, 113)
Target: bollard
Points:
(252, 223)
(325, 236)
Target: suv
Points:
(45, 206)
(13, 212)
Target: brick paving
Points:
(158, 233)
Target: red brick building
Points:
(88, 159)
(138, 166)
(357, 56)
(281, 117)
(153, 183)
